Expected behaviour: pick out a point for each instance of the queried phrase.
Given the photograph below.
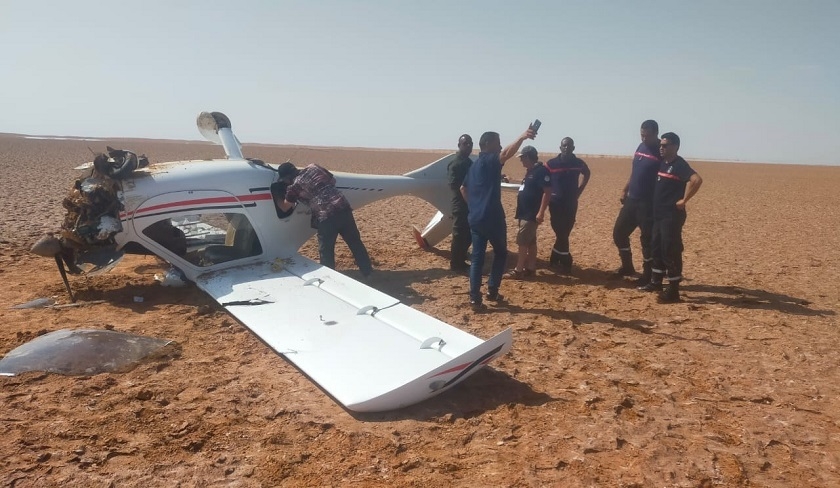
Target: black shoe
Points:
(494, 296)
(669, 296)
(563, 270)
(476, 305)
(643, 280)
(651, 287)
(461, 270)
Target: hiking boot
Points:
(626, 268)
(671, 294)
(563, 270)
(622, 271)
(655, 283)
(476, 305)
(668, 296)
(647, 273)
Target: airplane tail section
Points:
(438, 195)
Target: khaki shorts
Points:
(527, 233)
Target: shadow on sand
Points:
(736, 296)
(484, 391)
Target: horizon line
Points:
(403, 149)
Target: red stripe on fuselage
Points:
(202, 201)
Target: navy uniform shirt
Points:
(531, 191)
(643, 175)
(457, 170)
(565, 177)
(484, 193)
(670, 186)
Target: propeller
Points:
(91, 262)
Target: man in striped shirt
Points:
(331, 212)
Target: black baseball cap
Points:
(529, 151)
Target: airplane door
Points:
(197, 229)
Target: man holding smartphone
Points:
(483, 193)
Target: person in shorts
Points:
(531, 202)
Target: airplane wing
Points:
(366, 349)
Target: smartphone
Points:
(536, 125)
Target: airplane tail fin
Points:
(438, 195)
(215, 127)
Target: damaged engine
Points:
(93, 209)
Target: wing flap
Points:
(365, 348)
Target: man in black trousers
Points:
(676, 183)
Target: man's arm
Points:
(586, 174)
(283, 204)
(691, 188)
(511, 149)
(625, 190)
(464, 192)
(543, 204)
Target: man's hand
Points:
(540, 218)
(681, 204)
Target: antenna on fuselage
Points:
(215, 127)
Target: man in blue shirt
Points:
(676, 183)
(483, 193)
(637, 203)
(531, 202)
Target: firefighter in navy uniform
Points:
(637, 204)
(676, 183)
(566, 187)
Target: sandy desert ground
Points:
(738, 385)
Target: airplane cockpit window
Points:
(207, 239)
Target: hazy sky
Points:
(745, 80)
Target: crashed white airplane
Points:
(216, 222)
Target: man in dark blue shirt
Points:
(531, 202)
(566, 187)
(637, 203)
(676, 183)
(461, 238)
(483, 193)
